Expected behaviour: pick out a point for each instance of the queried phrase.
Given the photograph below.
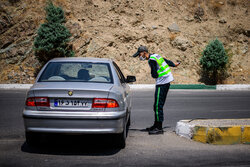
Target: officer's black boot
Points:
(157, 130)
(152, 127)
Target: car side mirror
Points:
(130, 79)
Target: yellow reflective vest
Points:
(163, 69)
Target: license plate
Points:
(72, 103)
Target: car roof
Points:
(81, 59)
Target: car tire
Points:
(32, 138)
(129, 122)
(121, 138)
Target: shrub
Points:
(53, 37)
(213, 61)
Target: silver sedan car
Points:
(79, 96)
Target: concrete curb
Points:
(193, 86)
(218, 135)
(233, 87)
(173, 86)
(141, 86)
(15, 86)
(152, 86)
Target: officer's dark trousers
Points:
(161, 92)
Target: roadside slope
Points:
(114, 29)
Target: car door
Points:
(126, 88)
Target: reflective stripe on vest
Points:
(163, 66)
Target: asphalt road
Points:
(191, 104)
(141, 149)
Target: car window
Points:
(119, 73)
(77, 72)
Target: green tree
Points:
(213, 61)
(53, 37)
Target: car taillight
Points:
(37, 101)
(104, 103)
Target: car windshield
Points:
(77, 72)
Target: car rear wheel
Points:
(129, 122)
(32, 138)
(121, 138)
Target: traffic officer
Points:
(160, 70)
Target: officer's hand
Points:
(176, 64)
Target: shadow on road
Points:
(165, 128)
(91, 145)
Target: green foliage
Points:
(54, 14)
(214, 60)
(53, 37)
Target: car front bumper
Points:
(74, 122)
